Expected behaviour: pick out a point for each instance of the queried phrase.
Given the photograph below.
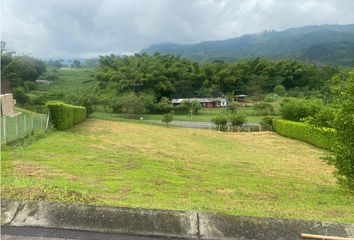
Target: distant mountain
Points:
(332, 44)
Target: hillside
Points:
(332, 44)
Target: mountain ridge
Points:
(324, 44)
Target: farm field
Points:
(136, 165)
(70, 80)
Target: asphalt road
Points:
(38, 233)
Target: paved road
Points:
(38, 233)
(199, 124)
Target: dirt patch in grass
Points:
(28, 169)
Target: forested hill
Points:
(329, 44)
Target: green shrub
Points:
(64, 116)
(263, 108)
(343, 154)
(160, 108)
(237, 119)
(320, 137)
(232, 107)
(167, 118)
(220, 121)
(295, 109)
(267, 123)
(279, 90)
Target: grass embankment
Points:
(135, 165)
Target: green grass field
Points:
(136, 165)
(70, 81)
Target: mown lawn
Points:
(137, 165)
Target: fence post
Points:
(4, 127)
(32, 123)
(46, 126)
(228, 128)
(260, 128)
(249, 128)
(209, 126)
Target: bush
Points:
(160, 108)
(279, 90)
(167, 118)
(324, 118)
(343, 154)
(130, 104)
(263, 108)
(267, 123)
(295, 109)
(220, 121)
(64, 116)
(186, 107)
(237, 119)
(232, 107)
(320, 137)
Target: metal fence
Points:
(21, 125)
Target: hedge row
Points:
(320, 137)
(64, 116)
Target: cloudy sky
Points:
(88, 28)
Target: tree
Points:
(231, 107)
(263, 108)
(195, 107)
(76, 64)
(296, 109)
(130, 104)
(280, 90)
(167, 118)
(343, 152)
(237, 120)
(220, 121)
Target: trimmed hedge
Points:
(320, 137)
(64, 116)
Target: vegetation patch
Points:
(136, 165)
(320, 137)
(64, 116)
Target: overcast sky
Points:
(88, 28)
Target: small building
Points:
(42, 81)
(205, 102)
(241, 98)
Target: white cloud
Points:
(48, 28)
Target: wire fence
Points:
(21, 125)
(246, 127)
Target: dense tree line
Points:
(172, 77)
(21, 71)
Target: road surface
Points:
(38, 233)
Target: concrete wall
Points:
(148, 222)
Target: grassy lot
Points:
(136, 165)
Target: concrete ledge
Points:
(147, 222)
(100, 219)
(234, 227)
